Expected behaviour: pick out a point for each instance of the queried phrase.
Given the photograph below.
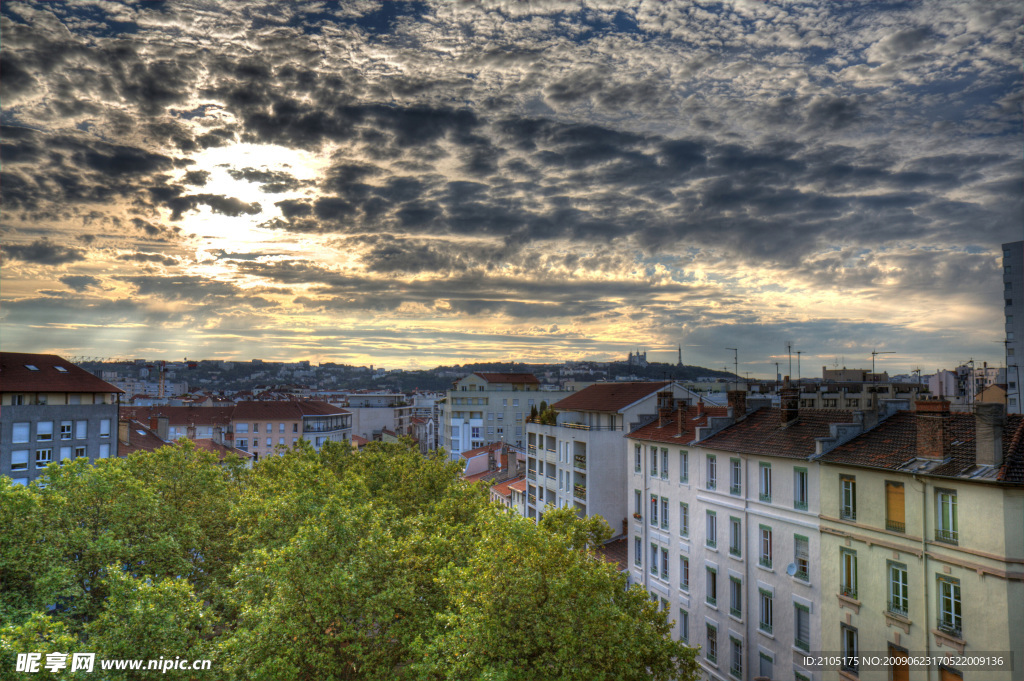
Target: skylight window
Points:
(32, 367)
(61, 369)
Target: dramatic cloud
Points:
(434, 177)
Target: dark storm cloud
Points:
(225, 205)
(148, 257)
(80, 282)
(43, 252)
(270, 181)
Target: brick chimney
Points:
(122, 431)
(789, 402)
(218, 435)
(163, 427)
(989, 418)
(680, 417)
(153, 422)
(932, 420)
(737, 400)
(190, 431)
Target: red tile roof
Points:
(505, 488)
(359, 441)
(892, 444)
(693, 418)
(519, 485)
(181, 416)
(222, 451)
(279, 410)
(762, 434)
(615, 552)
(15, 376)
(494, 377)
(470, 453)
(476, 476)
(612, 397)
(140, 437)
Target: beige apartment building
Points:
(922, 551)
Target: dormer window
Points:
(32, 367)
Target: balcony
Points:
(580, 461)
(533, 499)
(848, 514)
(946, 536)
(899, 608)
(580, 492)
(532, 475)
(894, 526)
(532, 448)
(584, 426)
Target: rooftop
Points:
(469, 454)
(26, 372)
(761, 433)
(609, 397)
(494, 377)
(615, 552)
(284, 410)
(505, 488)
(694, 417)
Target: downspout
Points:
(924, 566)
(644, 519)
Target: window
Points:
(766, 483)
(664, 513)
(81, 430)
(638, 556)
(895, 509)
(638, 506)
(801, 626)
(684, 573)
(654, 461)
(636, 458)
(20, 432)
(736, 665)
(684, 519)
(735, 473)
(949, 606)
(735, 537)
(515, 402)
(712, 471)
(711, 588)
(945, 517)
(766, 546)
(664, 563)
(801, 556)
(899, 595)
(104, 427)
(104, 451)
(280, 428)
(43, 457)
(44, 431)
(711, 651)
(270, 441)
(65, 430)
(800, 489)
(80, 452)
(848, 572)
(255, 427)
(684, 626)
(242, 443)
(19, 460)
(654, 559)
(850, 658)
(280, 441)
(711, 540)
(65, 454)
(474, 432)
(17, 399)
(664, 463)
(735, 597)
(684, 466)
(654, 510)
(295, 427)
(765, 621)
(848, 497)
(766, 663)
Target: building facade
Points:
(1013, 300)
(52, 411)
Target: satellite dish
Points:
(791, 569)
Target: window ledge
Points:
(949, 640)
(894, 620)
(766, 569)
(766, 634)
(735, 557)
(847, 602)
(848, 676)
(734, 618)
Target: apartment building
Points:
(489, 407)
(578, 461)
(921, 544)
(1013, 300)
(174, 423)
(52, 410)
(263, 428)
(734, 561)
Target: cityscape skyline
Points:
(423, 184)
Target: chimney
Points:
(989, 418)
(789, 402)
(122, 431)
(218, 435)
(152, 422)
(625, 526)
(491, 465)
(931, 418)
(163, 427)
(190, 432)
(737, 400)
(680, 415)
(700, 407)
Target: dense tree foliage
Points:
(338, 564)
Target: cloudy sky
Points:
(417, 183)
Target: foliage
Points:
(330, 564)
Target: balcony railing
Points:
(735, 489)
(898, 608)
(734, 551)
(802, 644)
(532, 448)
(533, 499)
(584, 426)
(711, 484)
(947, 536)
(711, 600)
(848, 591)
(532, 475)
(800, 505)
(848, 514)
(580, 461)
(801, 574)
(766, 498)
(580, 492)
(736, 671)
(894, 526)
(735, 612)
(765, 562)
(948, 626)
(710, 543)
(765, 627)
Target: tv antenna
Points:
(736, 365)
